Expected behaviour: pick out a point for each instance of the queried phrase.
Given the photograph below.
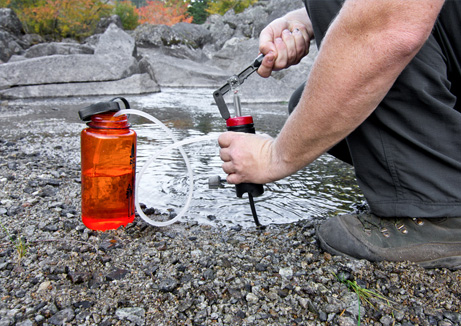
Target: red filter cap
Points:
(239, 121)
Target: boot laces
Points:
(369, 224)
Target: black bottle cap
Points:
(102, 107)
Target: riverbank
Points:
(186, 274)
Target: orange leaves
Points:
(157, 13)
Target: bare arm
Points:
(365, 49)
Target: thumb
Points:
(267, 65)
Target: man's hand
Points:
(285, 41)
(248, 157)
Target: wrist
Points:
(281, 163)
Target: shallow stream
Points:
(326, 187)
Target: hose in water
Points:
(176, 144)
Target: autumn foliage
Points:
(57, 19)
(61, 18)
(158, 13)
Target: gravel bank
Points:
(186, 274)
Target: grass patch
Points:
(18, 242)
(365, 295)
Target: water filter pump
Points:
(239, 123)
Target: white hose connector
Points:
(177, 144)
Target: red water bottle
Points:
(108, 161)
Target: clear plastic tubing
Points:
(152, 158)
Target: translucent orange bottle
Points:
(108, 155)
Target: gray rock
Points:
(117, 274)
(66, 69)
(32, 39)
(176, 72)
(26, 323)
(135, 84)
(133, 314)
(62, 317)
(53, 48)
(168, 284)
(248, 24)
(10, 22)
(193, 35)
(105, 22)
(147, 35)
(73, 74)
(11, 30)
(6, 321)
(236, 54)
(115, 42)
(220, 31)
(9, 46)
(453, 316)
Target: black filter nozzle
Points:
(245, 124)
(86, 113)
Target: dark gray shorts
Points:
(407, 154)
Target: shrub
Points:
(60, 18)
(127, 13)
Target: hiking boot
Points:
(431, 243)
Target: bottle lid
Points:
(102, 107)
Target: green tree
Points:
(222, 6)
(198, 10)
(127, 13)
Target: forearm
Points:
(358, 62)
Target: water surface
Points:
(326, 187)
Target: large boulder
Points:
(10, 22)
(135, 84)
(116, 42)
(171, 71)
(235, 53)
(191, 35)
(113, 65)
(53, 48)
(105, 22)
(66, 69)
(11, 31)
(248, 24)
(219, 30)
(9, 46)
